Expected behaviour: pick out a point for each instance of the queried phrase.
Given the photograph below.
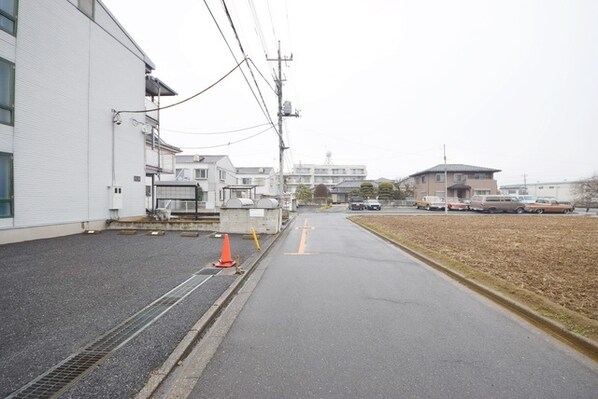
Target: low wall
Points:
(41, 232)
(240, 221)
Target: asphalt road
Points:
(60, 294)
(339, 313)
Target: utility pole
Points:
(281, 113)
(445, 182)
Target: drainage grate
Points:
(59, 377)
(66, 373)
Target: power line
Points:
(272, 21)
(221, 132)
(248, 66)
(264, 111)
(230, 142)
(188, 98)
(263, 77)
(258, 25)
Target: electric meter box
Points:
(115, 198)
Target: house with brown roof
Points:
(462, 181)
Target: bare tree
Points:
(586, 192)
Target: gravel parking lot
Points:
(57, 295)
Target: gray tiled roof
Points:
(348, 185)
(456, 167)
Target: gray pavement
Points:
(350, 316)
(60, 294)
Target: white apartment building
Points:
(262, 179)
(213, 173)
(68, 161)
(312, 175)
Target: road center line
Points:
(302, 240)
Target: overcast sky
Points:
(511, 85)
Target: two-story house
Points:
(69, 160)
(464, 181)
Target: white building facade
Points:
(213, 173)
(560, 190)
(263, 179)
(312, 175)
(65, 65)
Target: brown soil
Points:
(548, 262)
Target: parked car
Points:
(456, 204)
(373, 205)
(527, 199)
(546, 205)
(356, 204)
(496, 203)
(430, 202)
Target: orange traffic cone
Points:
(226, 259)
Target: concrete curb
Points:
(188, 342)
(577, 341)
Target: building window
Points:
(320, 171)
(457, 177)
(8, 16)
(201, 174)
(183, 174)
(6, 185)
(480, 176)
(7, 91)
(423, 179)
(221, 174)
(246, 180)
(439, 177)
(86, 7)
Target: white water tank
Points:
(239, 203)
(267, 203)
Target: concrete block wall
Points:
(240, 221)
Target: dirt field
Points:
(548, 262)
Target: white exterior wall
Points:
(562, 191)
(212, 186)
(266, 189)
(70, 74)
(310, 175)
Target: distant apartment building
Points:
(68, 159)
(464, 181)
(312, 175)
